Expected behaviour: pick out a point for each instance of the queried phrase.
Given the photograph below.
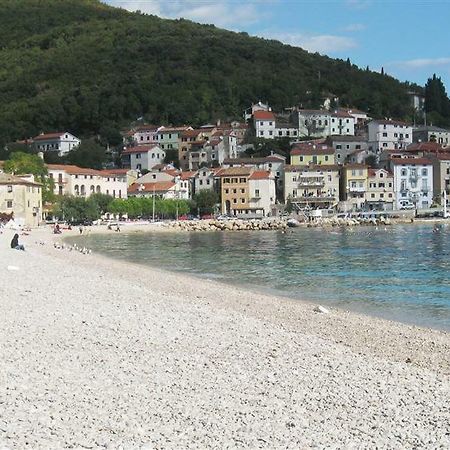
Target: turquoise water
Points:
(400, 273)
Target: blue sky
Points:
(410, 39)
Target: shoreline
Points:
(210, 366)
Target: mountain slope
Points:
(88, 67)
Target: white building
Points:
(264, 123)
(206, 179)
(81, 182)
(322, 123)
(261, 184)
(413, 182)
(145, 134)
(143, 156)
(62, 142)
(389, 135)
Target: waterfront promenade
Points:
(98, 353)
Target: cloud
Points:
(354, 27)
(322, 43)
(224, 13)
(421, 63)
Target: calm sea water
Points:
(400, 273)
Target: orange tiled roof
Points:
(158, 186)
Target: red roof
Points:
(186, 175)
(308, 149)
(191, 133)
(443, 156)
(45, 137)
(426, 147)
(139, 149)
(259, 175)
(75, 170)
(411, 161)
(263, 115)
(158, 186)
(115, 171)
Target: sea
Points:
(399, 272)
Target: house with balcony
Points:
(143, 157)
(274, 163)
(380, 190)
(312, 186)
(303, 154)
(247, 192)
(354, 185)
(388, 135)
(413, 182)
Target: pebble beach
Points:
(99, 353)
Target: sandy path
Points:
(98, 354)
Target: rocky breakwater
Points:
(349, 222)
(229, 225)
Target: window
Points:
(261, 133)
(227, 191)
(301, 158)
(372, 195)
(234, 191)
(326, 157)
(381, 174)
(261, 123)
(201, 182)
(270, 123)
(357, 147)
(242, 191)
(242, 180)
(10, 188)
(270, 133)
(395, 135)
(404, 172)
(424, 173)
(242, 200)
(257, 192)
(384, 134)
(9, 204)
(381, 195)
(338, 147)
(234, 200)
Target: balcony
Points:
(311, 184)
(359, 189)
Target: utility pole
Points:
(153, 207)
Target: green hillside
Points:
(87, 67)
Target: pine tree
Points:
(435, 97)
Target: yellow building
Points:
(21, 197)
(354, 187)
(309, 153)
(247, 192)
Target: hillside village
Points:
(339, 160)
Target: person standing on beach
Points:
(81, 229)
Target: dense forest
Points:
(89, 68)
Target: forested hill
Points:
(87, 67)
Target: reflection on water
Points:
(401, 272)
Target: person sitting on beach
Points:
(15, 243)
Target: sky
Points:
(410, 39)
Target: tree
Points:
(436, 99)
(76, 209)
(372, 161)
(206, 200)
(103, 202)
(88, 154)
